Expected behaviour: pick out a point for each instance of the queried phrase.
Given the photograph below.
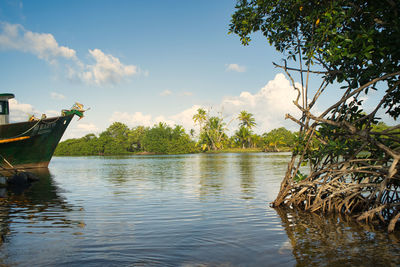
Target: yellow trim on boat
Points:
(14, 139)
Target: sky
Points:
(140, 63)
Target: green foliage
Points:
(299, 176)
(242, 136)
(162, 139)
(278, 139)
(212, 131)
(354, 41)
(135, 137)
(87, 145)
(115, 139)
(212, 134)
(352, 158)
(200, 117)
(246, 123)
(246, 119)
(336, 142)
(118, 139)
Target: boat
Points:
(31, 144)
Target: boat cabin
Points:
(4, 110)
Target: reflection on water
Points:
(186, 210)
(32, 212)
(247, 179)
(331, 240)
(213, 172)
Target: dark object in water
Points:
(22, 179)
(31, 144)
(19, 179)
(31, 177)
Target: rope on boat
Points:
(21, 134)
(76, 109)
(40, 120)
(49, 122)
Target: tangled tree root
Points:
(344, 161)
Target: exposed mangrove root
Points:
(345, 162)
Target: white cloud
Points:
(106, 68)
(20, 111)
(87, 127)
(79, 130)
(183, 118)
(56, 96)
(135, 119)
(52, 113)
(165, 93)
(269, 106)
(235, 67)
(43, 45)
(163, 119)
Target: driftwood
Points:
(342, 163)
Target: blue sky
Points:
(138, 62)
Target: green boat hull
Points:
(31, 144)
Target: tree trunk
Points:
(353, 169)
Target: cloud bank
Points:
(105, 70)
(78, 129)
(42, 45)
(269, 106)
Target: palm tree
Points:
(247, 121)
(212, 130)
(178, 131)
(215, 132)
(200, 117)
(242, 135)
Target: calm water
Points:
(192, 210)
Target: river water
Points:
(189, 210)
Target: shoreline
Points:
(228, 150)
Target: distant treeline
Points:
(119, 139)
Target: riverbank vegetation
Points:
(352, 161)
(119, 139)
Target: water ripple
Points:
(193, 210)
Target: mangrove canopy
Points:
(343, 160)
